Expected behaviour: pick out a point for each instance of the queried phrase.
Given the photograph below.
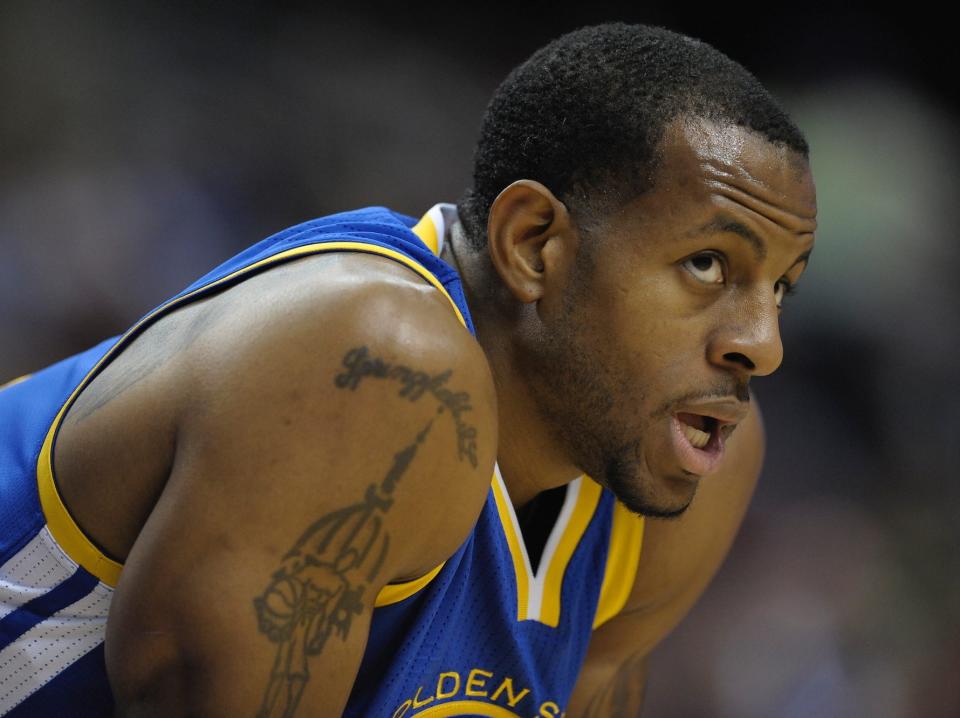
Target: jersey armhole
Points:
(623, 557)
(396, 592)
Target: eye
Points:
(707, 267)
(782, 290)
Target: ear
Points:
(530, 238)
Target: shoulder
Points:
(320, 372)
(335, 432)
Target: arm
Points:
(678, 561)
(296, 478)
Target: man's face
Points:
(672, 311)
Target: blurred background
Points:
(143, 144)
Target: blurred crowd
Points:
(142, 145)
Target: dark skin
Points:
(287, 482)
(281, 576)
(649, 334)
(681, 310)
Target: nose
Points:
(748, 341)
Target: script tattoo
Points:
(318, 590)
(414, 384)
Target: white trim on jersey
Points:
(536, 581)
(435, 214)
(539, 580)
(47, 649)
(443, 215)
(35, 569)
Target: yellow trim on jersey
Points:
(587, 500)
(516, 550)
(14, 382)
(426, 230)
(396, 592)
(64, 529)
(455, 709)
(623, 557)
(538, 595)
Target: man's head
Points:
(584, 116)
(641, 295)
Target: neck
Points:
(531, 459)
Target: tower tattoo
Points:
(319, 587)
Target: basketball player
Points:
(375, 466)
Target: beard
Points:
(588, 399)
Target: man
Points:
(291, 460)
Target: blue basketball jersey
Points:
(482, 634)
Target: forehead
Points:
(706, 166)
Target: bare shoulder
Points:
(337, 432)
(678, 560)
(330, 359)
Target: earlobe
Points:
(524, 219)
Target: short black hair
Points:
(585, 114)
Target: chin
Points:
(646, 495)
(653, 509)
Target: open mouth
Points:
(698, 439)
(698, 429)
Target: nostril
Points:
(740, 359)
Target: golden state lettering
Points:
(476, 692)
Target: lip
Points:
(725, 411)
(701, 462)
(698, 462)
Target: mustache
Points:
(720, 391)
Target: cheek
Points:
(656, 289)
(651, 324)
(658, 319)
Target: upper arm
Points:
(679, 558)
(301, 462)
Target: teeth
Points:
(698, 438)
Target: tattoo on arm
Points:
(622, 697)
(358, 365)
(319, 587)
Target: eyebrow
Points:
(732, 226)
